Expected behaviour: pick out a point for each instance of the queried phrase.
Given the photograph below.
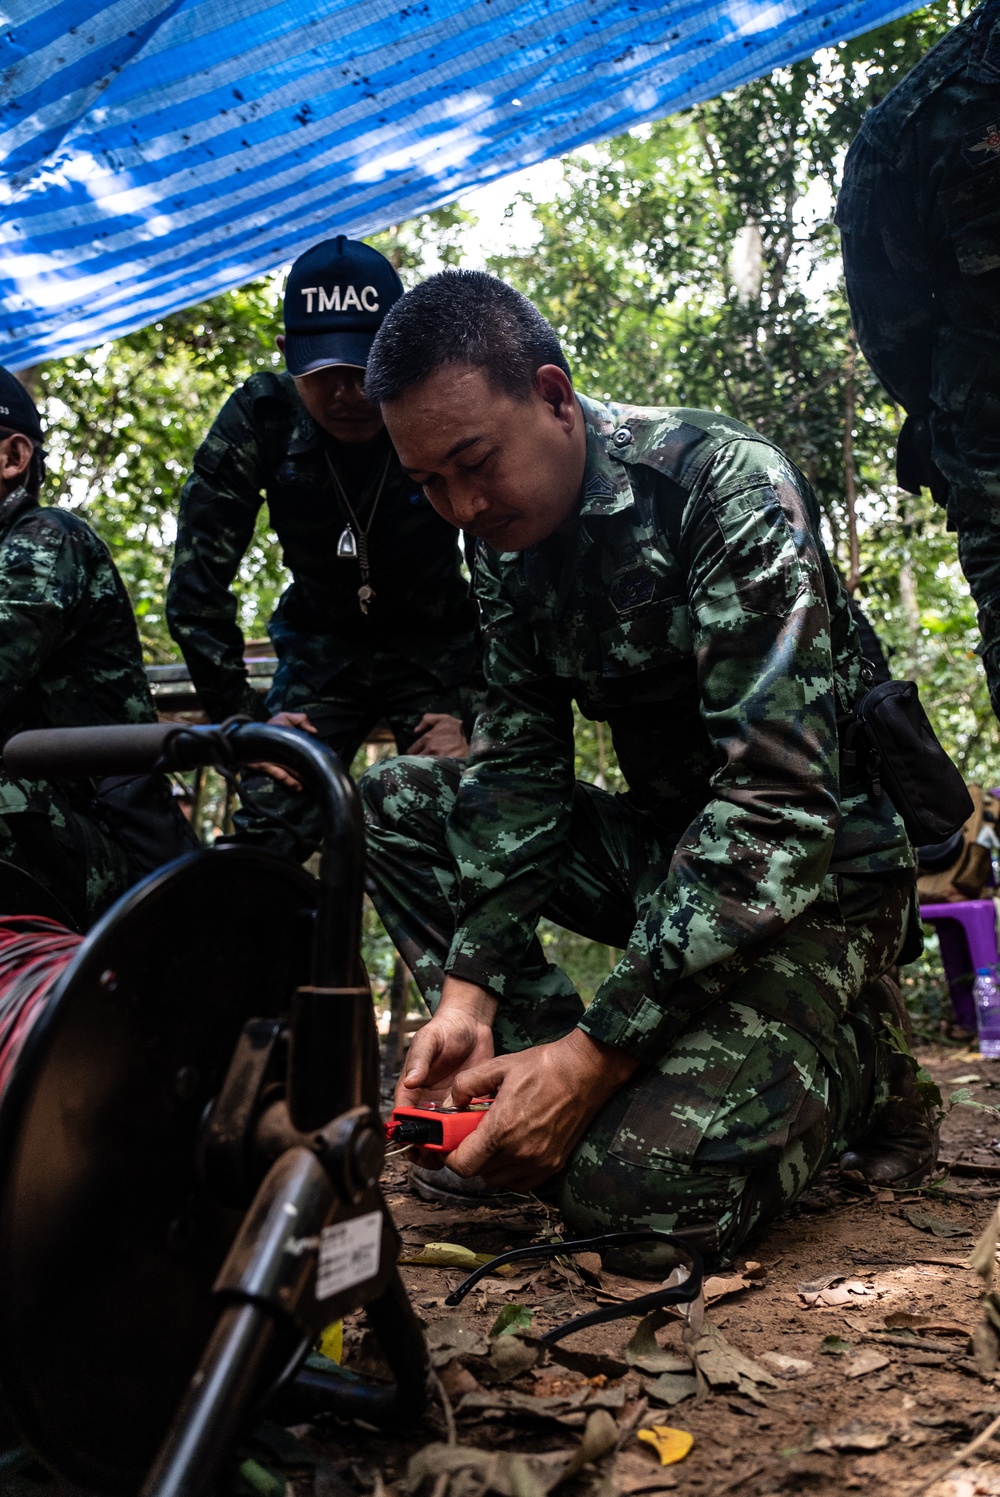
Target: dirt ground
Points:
(867, 1298)
(844, 1365)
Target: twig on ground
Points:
(737, 1481)
(962, 1455)
(449, 1413)
(628, 1425)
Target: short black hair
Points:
(461, 317)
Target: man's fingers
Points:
(277, 773)
(474, 1152)
(479, 1081)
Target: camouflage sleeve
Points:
(40, 585)
(757, 854)
(215, 524)
(510, 823)
(888, 263)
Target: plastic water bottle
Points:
(986, 991)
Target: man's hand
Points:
(285, 720)
(440, 736)
(459, 1035)
(546, 1098)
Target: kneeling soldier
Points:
(664, 570)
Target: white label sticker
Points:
(349, 1253)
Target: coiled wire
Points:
(34, 953)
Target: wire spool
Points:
(34, 953)
(112, 1046)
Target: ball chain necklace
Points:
(354, 547)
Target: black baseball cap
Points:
(336, 298)
(18, 411)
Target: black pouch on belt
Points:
(891, 743)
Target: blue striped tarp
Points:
(158, 151)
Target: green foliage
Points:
(512, 1318)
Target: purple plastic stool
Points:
(967, 932)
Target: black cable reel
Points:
(190, 1142)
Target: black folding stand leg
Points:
(208, 1421)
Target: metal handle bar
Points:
(332, 1046)
(77, 753)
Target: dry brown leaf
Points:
(856, 1435)
(723, 1366)
(457, 1380)
(636, 1473)
(984, 1254)
(785, 1367)
(599, 1436)
(643, 1351)
(720, 1286)
(864, 1362)
(589, 1265)
(504, 1472)
(671, 1388)
(510, 1357)
(450, 1337)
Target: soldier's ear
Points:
(556, 389)
(16, 451)
(280, 341)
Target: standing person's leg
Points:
(744, 1110)
(343, 717)
(966, 447)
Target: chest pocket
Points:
(647, 639)
(971, 212)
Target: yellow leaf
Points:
(449, 1255)
(331, 1342)
(670, 1444)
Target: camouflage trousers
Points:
(743, 1109)
(380, 686)
(965, 426)
(64, 848)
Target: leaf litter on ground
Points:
(937, 1225)
(723, 1366)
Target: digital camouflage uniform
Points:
(694, 610)
(70, 658)
(919, 215)
(417, 650)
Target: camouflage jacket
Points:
(697, 613)
(69, 646)
(919, 214)
(263, 442)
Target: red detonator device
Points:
(434, 1126)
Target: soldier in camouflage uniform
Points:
(70, 657)
(663, 570)
(919, 216)
(377, 622)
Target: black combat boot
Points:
(899, 1148)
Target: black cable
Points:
(676, 1294)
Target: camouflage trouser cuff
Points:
(646, 1034)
